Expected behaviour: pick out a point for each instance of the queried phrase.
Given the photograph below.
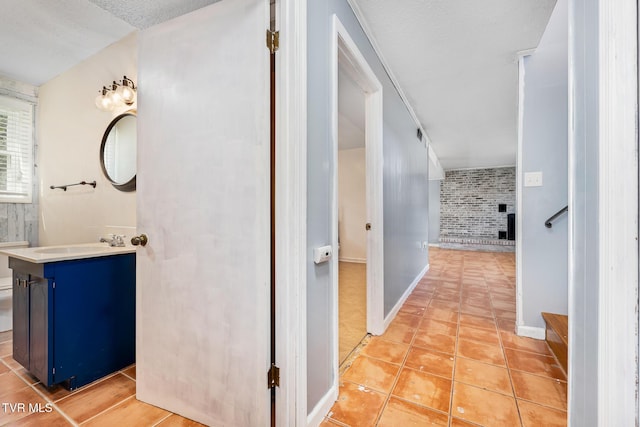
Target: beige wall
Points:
(352, 205)
(69, 131)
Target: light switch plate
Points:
(533, 179)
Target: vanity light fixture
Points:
(127, 91)
(116, 95)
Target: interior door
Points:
(203, 278)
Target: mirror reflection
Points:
(118, 152)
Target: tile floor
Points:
(107, 402)
(450, 357)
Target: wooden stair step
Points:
(557, 336)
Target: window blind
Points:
(16, 150)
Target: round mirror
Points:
(118, 152)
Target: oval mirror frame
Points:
(129, 185)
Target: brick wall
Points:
(469, 202)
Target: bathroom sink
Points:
(72, 249)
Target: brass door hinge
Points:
(273, 376)
(273, 40)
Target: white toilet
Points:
(6, 286)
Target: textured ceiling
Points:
(145, 13)
(456, 61)
(40, 39)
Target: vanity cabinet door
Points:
(21, 318)
(39, 328)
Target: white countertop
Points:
(44, 254)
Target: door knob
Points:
(368, 226)
(139, 240)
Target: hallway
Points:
(450, 357)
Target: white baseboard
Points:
(394, 311)
(356, 260)
(322, 408)
(434, 245)
(531, 332)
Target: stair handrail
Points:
(549, 223)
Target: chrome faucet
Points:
(115, 240)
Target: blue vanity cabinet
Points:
(74, 321)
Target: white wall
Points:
(69, 132)
(544, 267)
(352, 205)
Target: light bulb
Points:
(104, 101)
(114, 95)
(127, 91)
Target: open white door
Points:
(203, 331)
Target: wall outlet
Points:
(533, 179)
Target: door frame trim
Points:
(291, 209)
(617, 213)
(341, 42)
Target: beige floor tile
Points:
(442, 314)
(485, 336)
(40, 419)
(544, 391)
(534, 363)
(476, 311)
(488, 353)
(96, 398)
(435, 341)
(506, 325)
(3, 368)
(26, 375)
(446, 305)
(535, 415)
(372, 373)
(431, 325)
(130, 372)
(432, 362)
(484, 407)
(6, 348)
(510, 340)
(416, 310)
(14, 411)
(54, 393)
(407, 320)
(356, 405)
(178, 421)
(505, 314)
(399, 333)
(8, 360)
(388, 351)
(329, 423)
(10, 384)
(424, 389)
(399, 413)
(477, 321)
(456, 422)
(419, 300)
(131, 412)
(483, 375)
